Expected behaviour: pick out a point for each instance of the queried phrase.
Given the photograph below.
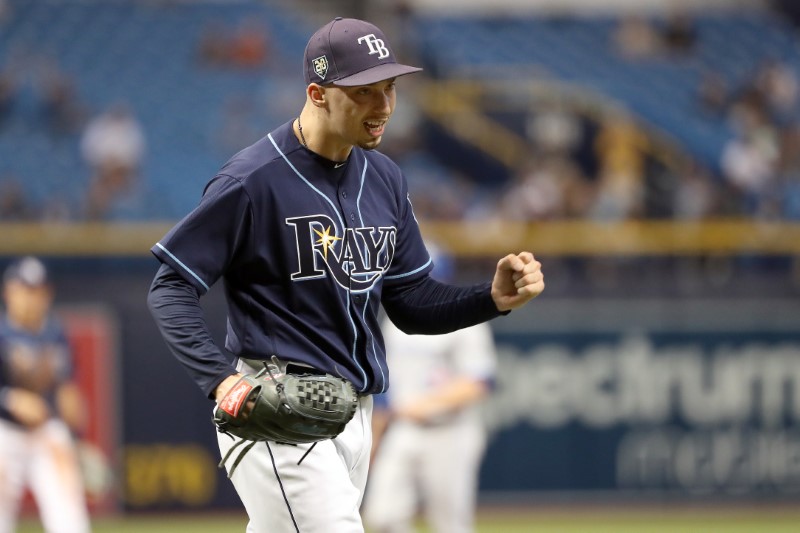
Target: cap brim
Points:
(376, 74)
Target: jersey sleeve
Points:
(411, 258)
(200, 246)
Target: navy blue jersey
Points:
(305, 248)
(37, 362)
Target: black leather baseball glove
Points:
(286, 408)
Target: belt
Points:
(288, 367)
(253, 366)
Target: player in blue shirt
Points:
(40, 405)
(311, 231)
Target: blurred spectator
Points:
(713, 94)
(549, 184)
(777, 83)
(556, 129)
(549, 187)
(246, 47)
(696, 195)
(113, 145)
(61, 108)
(789, 171)
(749, 159)
(249, 46)
(748, 109)
(756, 162)
(536, 192)
(14, 205)
(8, 94)
(441, 197)
(213, 47)
(679, 34)
(636, 38)
(621, 148)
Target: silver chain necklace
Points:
(300, 129)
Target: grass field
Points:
(579, 520)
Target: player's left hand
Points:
(27, 408)
(517, 280)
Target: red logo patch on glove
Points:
(233, 400)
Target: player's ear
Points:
(316, 94)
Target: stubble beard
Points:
(370, 145)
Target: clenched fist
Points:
(517, 280)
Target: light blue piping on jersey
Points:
(187, 269)
(405, 274)
(341, 221)
(299, 175)
(430, 259)
(369, 293)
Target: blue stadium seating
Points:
(146, 53)
(581, 51)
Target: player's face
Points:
(25, 305)
(359, 114)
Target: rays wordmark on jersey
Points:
(356, 261)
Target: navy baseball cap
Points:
(350, 52)
(28, 270)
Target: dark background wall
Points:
(562, 420)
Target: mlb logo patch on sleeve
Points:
(232, 402)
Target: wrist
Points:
(225, 385)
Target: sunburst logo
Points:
(326, 240)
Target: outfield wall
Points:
(621, 392)
(648, 399)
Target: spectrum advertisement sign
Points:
(651, 412)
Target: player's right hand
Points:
(28, 408)
(225, 386)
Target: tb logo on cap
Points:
(376, 45)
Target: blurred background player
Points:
(429, 438)
(40, 406)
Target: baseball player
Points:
(39, 406)
(311, 231)
(434, 438)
